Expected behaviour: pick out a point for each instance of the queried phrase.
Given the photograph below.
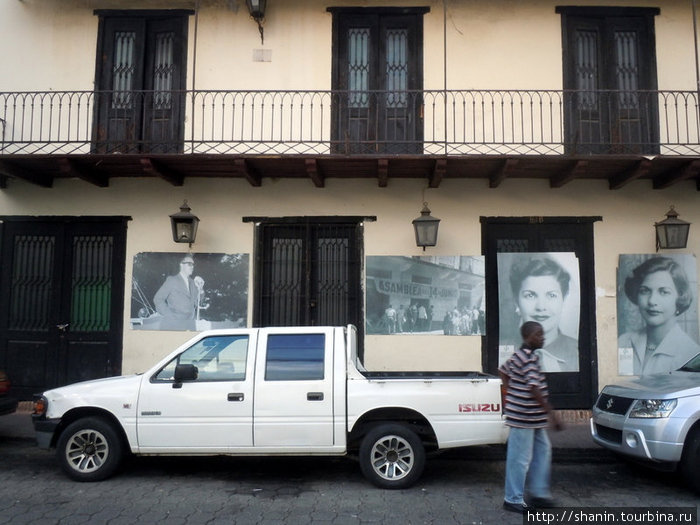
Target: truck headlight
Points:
(653, 408)
(41, 405)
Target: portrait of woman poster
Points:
(657, 312)
(541, 287)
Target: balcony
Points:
(618, 136)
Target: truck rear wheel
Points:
(89, 449)
(392, 456)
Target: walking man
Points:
(528, 412)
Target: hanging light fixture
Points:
(672, 232)
(184, 225)
(426, 228)
(256, 8)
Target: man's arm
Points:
(504, 386)
(542, 400)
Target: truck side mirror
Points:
(185, 373)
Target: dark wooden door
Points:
(570, 390)
(61, 301)
(378, 81)
(140, 81)
(610, 78)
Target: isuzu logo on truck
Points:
(480, 407)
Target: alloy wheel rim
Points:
(87, 450)
(392, 457)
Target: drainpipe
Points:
(194, 67)
(444, 64)
(695, 41)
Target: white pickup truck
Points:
(269, 392)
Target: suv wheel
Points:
(690, 461)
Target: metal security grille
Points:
(358, 67)
(564, 244)
(511, 245)
(123, 69)
(164, 69)
(308, 274)
(31, 292)
(91, 283)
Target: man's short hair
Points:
(528, 328)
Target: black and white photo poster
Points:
(542, 287)
(441, 295)
(185, 291)
(657, 312)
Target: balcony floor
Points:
(662, 171)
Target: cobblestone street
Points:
(457, 488)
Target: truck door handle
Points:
(314, 396)
(236, 396)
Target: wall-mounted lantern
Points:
(256, 8)
(426, 228)
(184, 225)
(672, 232)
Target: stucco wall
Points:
(501, 44)
(627, 227)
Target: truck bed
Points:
(426, 375)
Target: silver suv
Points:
(654, 418)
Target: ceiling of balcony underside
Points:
(618, 171)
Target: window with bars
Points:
(308, 273)
(91, 283)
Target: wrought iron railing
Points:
(431, 122)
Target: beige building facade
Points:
(494, 147)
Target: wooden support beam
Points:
(243, 167)
(574, 172)
(314, 173)
(503, 172)
(688, 171)
(439, 170)
(9, 170)
(383, 172)
(70, 168)
(156, 169)
(640, 169)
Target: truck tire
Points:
(690, 461)
(89, 449)
(392, 456)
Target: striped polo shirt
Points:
(521, 408)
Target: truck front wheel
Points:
(89, 449)
(392, 456)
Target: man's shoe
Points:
(520, 508)
(542, 503)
